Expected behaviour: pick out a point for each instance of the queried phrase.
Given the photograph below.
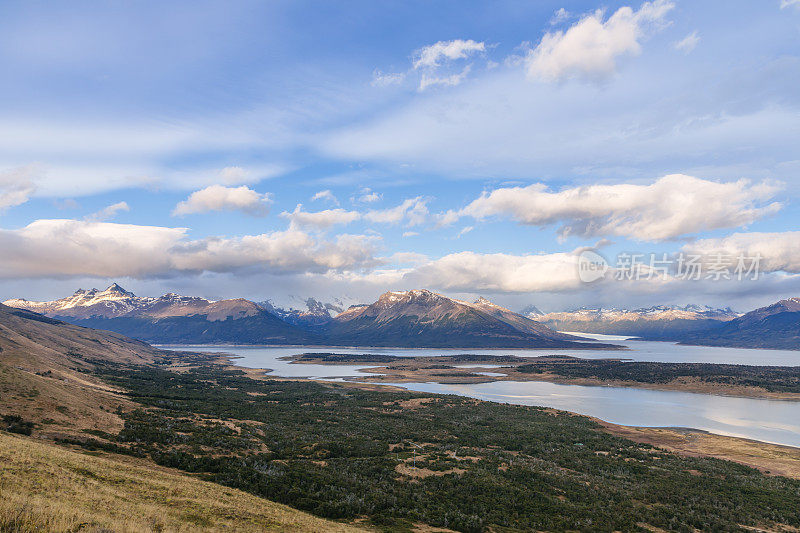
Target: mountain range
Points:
(171, 318)
(775, 326)
(658, 322)
(417, 318)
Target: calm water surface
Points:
(765, 420)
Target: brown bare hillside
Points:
(43, 378)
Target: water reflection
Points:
(765, 420)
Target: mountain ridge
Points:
(416, 318)
(421, 317)
(775, 326)
(170, 318)
(659, 322)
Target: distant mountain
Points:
(114, 301)
(775, 326)
(315, 313)
(531, 311)
(421, 318)
(658, 322)
(403, 319)
(171, 318)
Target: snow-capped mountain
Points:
(312, 313)
(521, 322)
(115, 302)
(661, 321)
(170, 318)
(402, 318)
(531, 311)
(424, 318)
(111, 302)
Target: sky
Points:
(284, 150)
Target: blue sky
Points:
(469, 147)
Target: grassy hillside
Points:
(46, 372)
(35, 342)
(47, 488)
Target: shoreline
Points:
(471, 370)
(769, 458)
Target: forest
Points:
(770, 378)
(398, 459)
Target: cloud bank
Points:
(59, 248)
(673, 206)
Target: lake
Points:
(774, 421)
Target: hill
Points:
(45, 371)
(775, 326)
(519, 321)
(48, 488)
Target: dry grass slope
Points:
(42, 372)
(47, 488)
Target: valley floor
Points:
(775, 383)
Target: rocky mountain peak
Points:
(416, 295)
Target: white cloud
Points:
(17, 186)
(465, 230)
(220, 198)
(449, 81)
(672, 206)
(470, 271)
(381, 79)
(410, 233)
(430, 60)
(590, 47)
(325, 195)
(413, 212)
(109, 212)
(66, 203)
(320, 219)
(560, 16)
(71, 179)
(778, 251)
(788, 3)
(68, 248)
(369, 196)
(688, 43)
(432, 55)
